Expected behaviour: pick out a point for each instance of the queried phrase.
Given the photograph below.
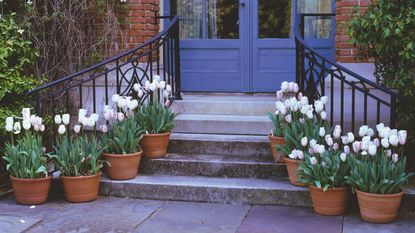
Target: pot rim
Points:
(138, 153)
(272, 136)
(156, 134)
(78, 177)
(381, 195)
(49, 177)
(291, 160)
(320, 189)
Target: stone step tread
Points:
(217, 117)
(219, 137)
(212, 158)
(234, 97)
(209, 182)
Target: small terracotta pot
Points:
(331, 202)
(81, 188)
(123, 167)
(292, 167)
(155, 145)
(31, 191)
(273, 141)
(379, 208)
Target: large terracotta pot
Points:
(81, 188)
(379, 208)
(292, 166)
(331, 202)
(31, 191)
(123, 167)
(155, 145)
(273, 141)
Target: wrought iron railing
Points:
(353, 99)
(92, 88)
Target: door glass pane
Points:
(191, 16)
(222, 19)
(316, 27)
(274, 18)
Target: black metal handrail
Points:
(158, 56)
(313, 70)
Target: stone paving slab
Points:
(182, 217)
(282, 219)
(354, 224)
(10, 224)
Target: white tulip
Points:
(350, 137)
(310, 114)
(312, 142)
(365, 142)
(104, 128)
(304, 100)
(304, 141)
(17, 127)
(279, 105)
(36, 128)
(293, 155)
(346, 150)
(284, 86)
(402, 135)
(122, 103)
(168, 88)
(357, 146)
(335, 146)
(296, 88)
(26, 113)
(288, 118)
(120, 116)
(85, 121)
(66, 118)
(372, 148)
(153, 86)
(95, 116)
(385, 142)
(133, 104)
(300, 155)
(324, 100)
(107, 108)
(42, 128)
(318, 106)
(321, 149)
(157, 78)
(114, 99)
(380, 126)
(299, 95)
(363, 130)
(33, 120)
(370, 132)
(395, 158)
(329, 140)
(345, 140)
(394, 140)
(162, 84)
(9, 121)
(343, 157)
(166, 94)
(91, 122)
(108, 115)
(337, 131)
(140, 93)
(280, 95)
(61, 129)
(82, 112)
(313, 160)
(9, 128)
(384, 132)
(323, 115)
(26, 124)
(58, 119)
(136, 87)
(389, 153)
(77, 128)
(284, 111)
(322, 132)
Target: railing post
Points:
(177, 72)
(393, 112)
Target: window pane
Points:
(274, 18)
(190, 13)
(222, 19)
(316, 27)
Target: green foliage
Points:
(329, 171)
(78, 156)
(123, 137)
(26, 159)
(154, 118)
(377, 174)
(278, 123)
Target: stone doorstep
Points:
(220, 144)
(214, 166)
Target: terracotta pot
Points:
(123, 167)
(379, 208)
(31, 191)
(331, 202)
(273, 141)
(292, 166)
(155, 145)
(81, 188)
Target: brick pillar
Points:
(345, 9)
(140, 24)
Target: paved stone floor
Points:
(149, 216)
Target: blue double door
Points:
(240, 45)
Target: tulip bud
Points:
(288, 118)
(26, 124)
(280, 95)
(345, 140)
(17, 127)
(335, 146)
(104, 128)
(61, 129)
(346, 149)
(42, 128)
(323, 115)
(343, 157)
(363, 130)
(389, 153)
(385, 143)
(350, 137)
(114, 99)
(284, 86)
(394, 140)
(300, 155)
(295, 88)
(357, 146)
(58, 119)
(66, 119)
(313, 160)
(377, 142)
(310, 114)
(372, 149)
(120, 116)
(26, 113)
(77, 128)
(395, 158)
(322, 132)
(304, 141)
(137, 87)
(313, 142)
(324, 99)
(323, 164)
(402, 135)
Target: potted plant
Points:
(78, 160)
(378, 173)
(303, 122)
(154, 116)
(276, 137)
(26, 159)
(324, 170)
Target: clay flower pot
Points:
(379, 208)
(292, 166)
(123, 167)
(31, 191)
(331, 202)
(81, 188)
(273, 141)
(155, 145)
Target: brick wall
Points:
(345, 9)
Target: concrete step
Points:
(222, 124)
(214, 166)
(225, 104)
(208, 189)
(216, 144)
